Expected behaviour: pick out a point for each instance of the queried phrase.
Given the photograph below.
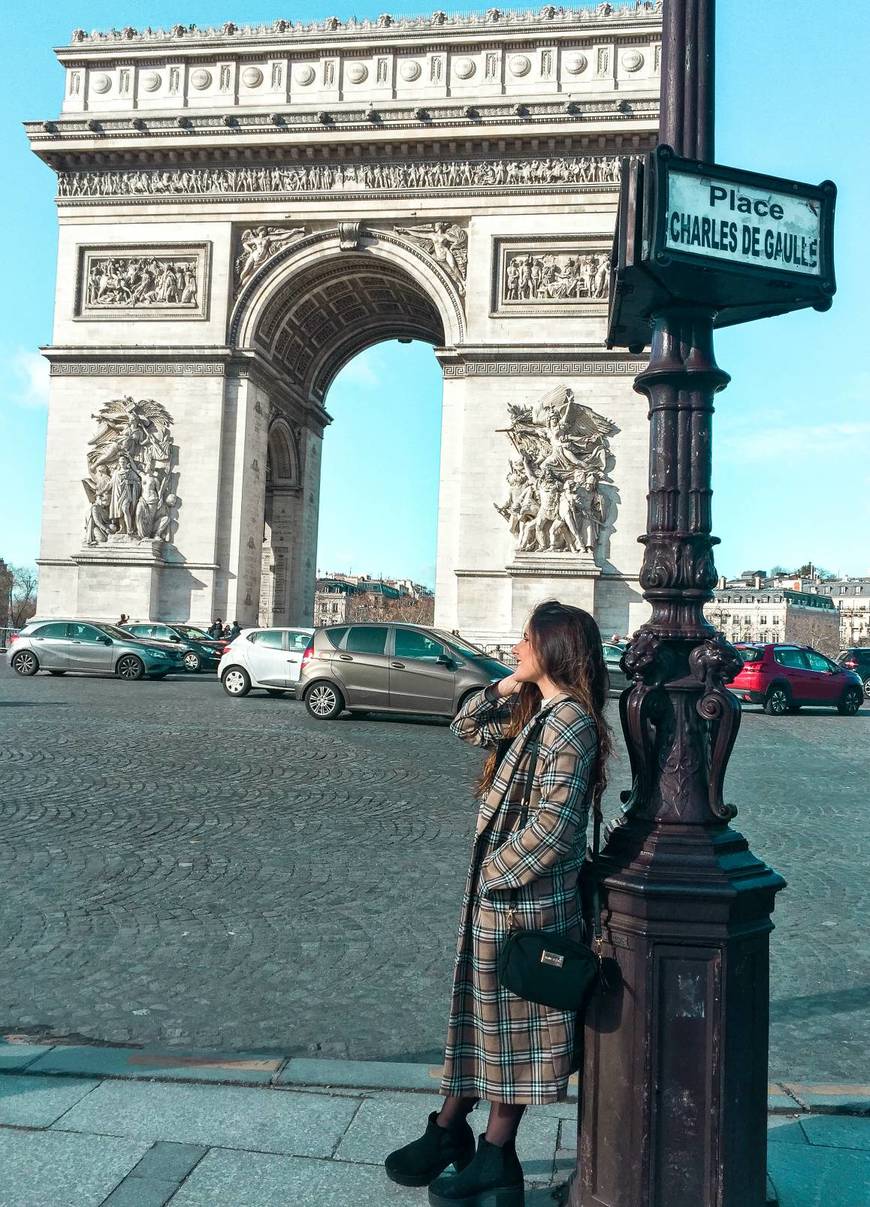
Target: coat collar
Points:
(492, 802)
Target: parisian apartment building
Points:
(339, 598)
(830, 614)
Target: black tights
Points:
(504, 1117)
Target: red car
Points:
(782, 678)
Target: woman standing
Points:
(511, 1052)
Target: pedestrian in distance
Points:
(217, 629)
(125, 619)
(235, 629)
(225, 632)
(501, 1048)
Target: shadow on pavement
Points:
(839, 1001)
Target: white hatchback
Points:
(266, 658)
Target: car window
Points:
(160, 631)
(458, 643)
(50, 630)
(748, 654)
(793, 658)
(410, 643)
(273, 638)
(817, 662)
(336, 636)
(84, 632)
(366, 640)
(187, 630)
(112, 630)
(298, 642)
(612, 653)
(139, 630)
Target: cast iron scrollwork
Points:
(714, 663)
(638, 712)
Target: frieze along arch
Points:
(244, 210)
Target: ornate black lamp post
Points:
(674, 1084)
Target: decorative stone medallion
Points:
(357, 73)
(101, 82)
(151, 81)
(576, 64)
(200, 78)
(520, 64)
(464, 68)
(410, 70)
(632, 60)
(252, 77)
(304, 75)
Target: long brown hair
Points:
(567, 643)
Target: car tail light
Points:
(225, 649)
(306, 658)
(850, 662)
(13, 637)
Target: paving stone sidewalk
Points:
(102, 1127)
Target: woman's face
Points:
(528, 668)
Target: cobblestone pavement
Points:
(181, 868)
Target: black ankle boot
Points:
(493, 1179)
(422, 1160)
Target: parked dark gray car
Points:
(58, 646)
(401, 668)
(612, 655)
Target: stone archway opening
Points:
(329, 312)
(313, 324)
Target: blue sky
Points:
(792, 433)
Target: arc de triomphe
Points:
(242, 210)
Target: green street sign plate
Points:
(742, 244)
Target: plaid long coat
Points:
(499, 1046)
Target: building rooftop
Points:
(386, 23)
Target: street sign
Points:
(743, 244)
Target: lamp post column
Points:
(674, 1081)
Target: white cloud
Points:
(30, 378)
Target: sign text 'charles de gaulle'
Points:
(743, 244)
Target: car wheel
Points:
(850, 701)
(867, 687)
(236, 682)
(777, 701)
(130, 667)
(57, 672)
(192, 661)
(25, 663)
(324, 701)
(466, 698)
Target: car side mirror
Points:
(444, 660)
(175, 638)
(107, 641)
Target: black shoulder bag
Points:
(542, 966)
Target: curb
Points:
(256, 1069)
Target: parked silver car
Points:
(401, 668)
(58, 646)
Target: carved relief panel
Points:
(550, 276)
(150, 281)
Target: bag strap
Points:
(533, 742)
